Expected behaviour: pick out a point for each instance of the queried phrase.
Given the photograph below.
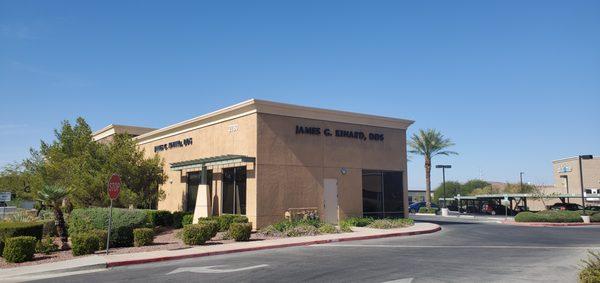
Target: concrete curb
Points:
(307, 243)
(548, 224)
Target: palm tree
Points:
(429, 143)
(52, 196)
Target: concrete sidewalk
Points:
(106, 261)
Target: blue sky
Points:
(516, 84)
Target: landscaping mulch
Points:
(164, 240)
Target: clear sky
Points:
(516, 84)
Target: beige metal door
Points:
(330, 201)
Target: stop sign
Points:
(114, 186)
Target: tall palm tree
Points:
(52, 196)
(429, 143)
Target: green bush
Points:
(196, 234)
(49, 228)
(46, 246)
(428, 210)
(345, 227)
(124, 221)
(327, 229)
(19, 249)
(359, 221)
(225, 220)
(15, 229)
(590, 272)
(595, 217)
(211, 224)
(84, 243)
(391, 223)
(102, 235)
(240, 231)
(143, 237)
(554, 216)
(187, 220)
(161, 218)
(178, 218)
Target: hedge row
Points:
(123, 223)
(15, 229)
(555, 216)
(162, 218)
(224, 221)
(19, 249)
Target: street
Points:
(463, 251)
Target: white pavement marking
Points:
(457, 247)
(404, 280)
(211, 269)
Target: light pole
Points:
(444, 179)
(566, 177)
(521, 177)
(586, 157)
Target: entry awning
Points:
(211, 161)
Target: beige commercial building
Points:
(265, 159)
(567, 178)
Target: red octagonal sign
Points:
(114, 186)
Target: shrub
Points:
(49, 228)
(46, 246)
(211, 224)
(428, 210)
(590, 272)
(225, 220)
(178, 218)
(196, 234)
(391, 223)
(124, 221)
(240, 231)
(556, 216)
(161, 218)
(102, 235)
(143, 236)
(15, 229)
(327, 229)
(302, 230)
(19, 249)
(595, 217)
(187, 220)
(84, 243)
(359, 221)
(345, 227)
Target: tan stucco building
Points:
(567, 178)
(263, 159)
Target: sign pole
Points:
(114, 188)
(109, 227)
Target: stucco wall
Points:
(210, 141)
(291, 167)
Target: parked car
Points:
(414, 208)
(496, 209)
(565, 206)
(592, 208)
(521, 208)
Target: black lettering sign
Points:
(316, 131)
(173, 144)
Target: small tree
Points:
(52, 196)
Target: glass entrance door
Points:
(383, 193)
(234, 190)
(193, 181)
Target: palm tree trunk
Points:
(61, 227)
(428, 181)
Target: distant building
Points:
(417, 196)
(567, 178)
(107, 133)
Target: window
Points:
(383, 193)
(193, 181)
(234, 190)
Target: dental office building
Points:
(263, 159)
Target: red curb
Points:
(317, 242)
(547, 224)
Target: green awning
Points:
(211, 161)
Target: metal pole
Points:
(567, 181)
(581, 182)
(444, 182)
(521, 177)
(109, 227)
